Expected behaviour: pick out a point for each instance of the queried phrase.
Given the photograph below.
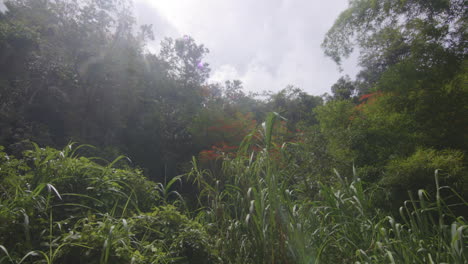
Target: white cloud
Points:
(267, 44)
(3, 8)
(257, 78)
(224, 72)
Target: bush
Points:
(414, 173)
(60, 208)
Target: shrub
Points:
(414, 173)
(60, 208)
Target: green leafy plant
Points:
(57, 207)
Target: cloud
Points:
(3, 8)
(147, 14)
(267, 44)
(225, 72)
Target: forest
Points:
(111, 153)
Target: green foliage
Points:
(79, 71)
(295, 105)
(60, 208)
(412, 96)
(343, 89)
(249, 204)
(163, 235)
(258, 213)
(382, 134)
(181, 237)
(354, 231)
(335, 119)
(409, 174)
(412, 51)
(184, 58)
(404, 23)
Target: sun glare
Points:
(175, 11)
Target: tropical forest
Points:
(113, 152)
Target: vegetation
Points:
(376, 172)
(57, 207)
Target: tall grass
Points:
(253, 206)
(56, 207)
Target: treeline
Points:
(79, 71)
(374, 172)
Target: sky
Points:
(267, 44)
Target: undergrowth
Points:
(261, 215)
(57, 207)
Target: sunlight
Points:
(175, 12)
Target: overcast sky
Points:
(267, 44)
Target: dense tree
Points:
(343, 89)
(81, 73)
(295, 105)
(413, 59)
(389, 31)
(185, 60)
(413, 50)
